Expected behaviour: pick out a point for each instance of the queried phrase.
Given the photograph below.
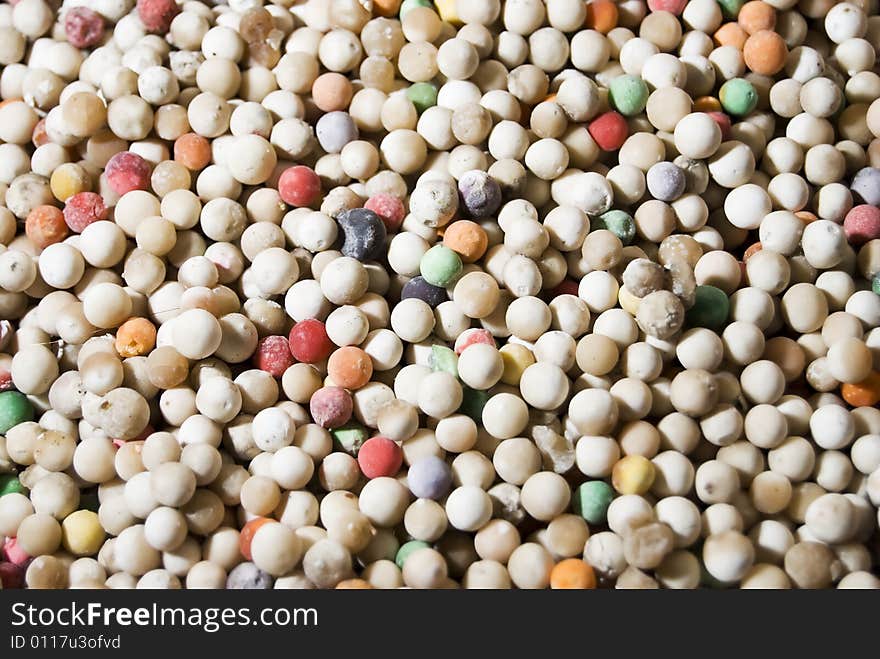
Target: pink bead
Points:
(331, 407)
(389, 209)
(156, 15)
(672, 6)
(862, 224)
(473, 336)
(83, 27)
(127, 171)
(14, 553)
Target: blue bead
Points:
(429, 478)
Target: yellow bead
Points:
(82, 533)
(447, 11)
(516, 358)
(628, 302)
(69, 179)
(633, 474)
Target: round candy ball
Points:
(861, 224)
(628, 94)
(309, 342)
(738, 96)
(429, 478)
(380, 456)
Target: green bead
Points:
(10, 484)
(15, 408)
(443, 359)
(408, 548)
(738, 96)
(730, 8)
(591, 501)
(628, 94)
(875, 283)
(620, 223)
(349, 437)
(440, 266)
(423, 95)
(472, 403)
(408, 5)
(711, 306)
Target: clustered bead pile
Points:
(465, 293)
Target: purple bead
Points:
(334, 130)
(666, 181)
(866, 186)
(429, 478)
(428, 293)
(480, 193)
(247, 576)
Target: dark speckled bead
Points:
(428, 293)
(247, 576)
(364, 234)
(480, 193)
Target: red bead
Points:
(609, 130)
(331, 407)
(83, 27)
(723, 122)
(672, 6)
(11, 576)
(862, 224)
(566, 287)
(379, 456)
(82, 209)
(473, 336)
(273, 355)
(156, 15)
(389, 208)
(309, 342)
(299, 186)
(127, 171)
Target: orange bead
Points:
(765, 53)
(350, 367)
(601, 16)
(731, 34)
(45, 226)
(135, 337)
(751, 250)
(707, 104)
(192, 151)
(862, 394)
(806, 216)
(386, 8)
(248, 531)
(331, 91)
(572, 574)
(755, 16)
(466, 238)
(40, 137)
(354, 584)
